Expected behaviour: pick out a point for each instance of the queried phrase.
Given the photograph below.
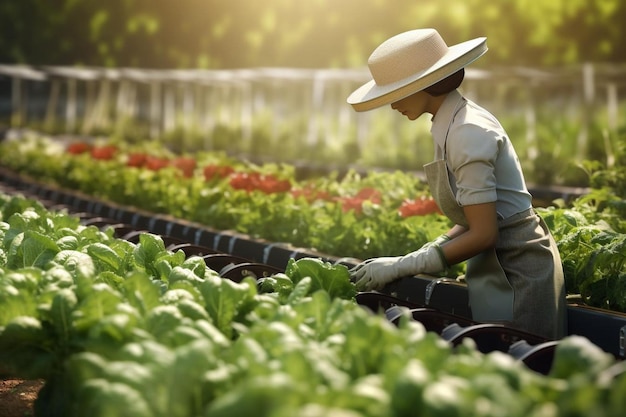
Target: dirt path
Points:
(17, 397)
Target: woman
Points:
(514, 272)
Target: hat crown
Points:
(405, 55)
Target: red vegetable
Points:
(370, 194)
(356, 202)
(212, 172)
(104, 152)
(186, 165)
(136, 160)
(310, 194)
(420, 207)
(243, 181)
(352, 203)
(154, 163)
(270, 184)
(78, 148)
(251, 181)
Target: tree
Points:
(311, 33)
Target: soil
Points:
(17, 397)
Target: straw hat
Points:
(410, 62)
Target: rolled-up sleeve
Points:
(472, 154)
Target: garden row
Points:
(356, 216)
(447, 296)
(123, 328)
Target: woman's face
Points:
(414, 105)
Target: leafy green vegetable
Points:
(576, 355)
(25, 348)
(148, 250)
(121, 328)
(60, 314)
(334, 279)
(102, 398)
(79, 264)
(104, 258)
(227, 301)
(279, 283)
(37, 249)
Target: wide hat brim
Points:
(371, 95)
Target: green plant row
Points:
(355, 216)
(118, 328)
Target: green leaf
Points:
(111, 332)
(141, 292)
(111, 279)
(225, 300)
(58, 277)
(63, 305)
(212, 333)
(38, 249)
(83, 366)
(279, 283)
(576, 355)
(322, 314)
(182, 274)
(173, 296)
(15, 302)
(300, 291)
(131, 373)
(162, 320)
(14, 254)
(161, 269)
(259, 396)
(149, 248)
(151, 255)
(408, 388)
(334, 279)
(446, 396)
(67, 243)
(79, 264)
(101, 398)
(24, 330)
(26, 280)
(24, 348)
(195, 264)
(187, 393)
(104, 258)
(98, 302)
(189, 308)
(18, 205)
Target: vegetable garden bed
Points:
(168, 338)
(286, 340)
(605, 328)
(356, 216)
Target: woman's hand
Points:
(374, 274)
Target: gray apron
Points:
(528, 293)
(491, 296)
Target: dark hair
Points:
(450, 83)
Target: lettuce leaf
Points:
(334, 279)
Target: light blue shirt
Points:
(482, 164)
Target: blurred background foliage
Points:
(554, 75)
(310, 33)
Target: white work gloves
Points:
(375, 273)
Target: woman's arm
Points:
(481, 233)
(456, 231)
